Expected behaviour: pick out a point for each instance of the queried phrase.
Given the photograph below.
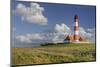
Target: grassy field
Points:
(59, 53)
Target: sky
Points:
(51, 22)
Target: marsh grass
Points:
(59, 53)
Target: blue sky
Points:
(55, 14)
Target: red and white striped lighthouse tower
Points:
(76, 32)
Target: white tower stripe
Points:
(76, 24)
(76, 32)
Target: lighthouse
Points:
(76, 31)
(75, 38)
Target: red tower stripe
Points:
(75, 28)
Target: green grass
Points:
(59, 53)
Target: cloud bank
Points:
(58, 35)
(88, 34)
(31, 14)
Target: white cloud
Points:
(32, 14)
(62, 31)
(29, 37)
(88, 34)
(23, 38)
(50, 37)
(82, 32)
(62, 28)
(58, 35)
(91, 30)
